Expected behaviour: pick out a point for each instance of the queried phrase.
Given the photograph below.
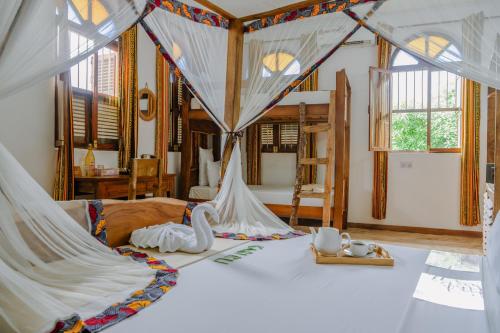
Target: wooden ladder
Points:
(303, 161)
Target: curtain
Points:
(128, 94)
(310, 84)
(469, 184)
(310, 171)
(64, 179)
(163, 108)
(254, 155)
(381, 158)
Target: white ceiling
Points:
(240, 8)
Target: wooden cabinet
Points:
(114, 187)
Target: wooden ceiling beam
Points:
(216, 9)
(280, 10)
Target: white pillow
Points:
(213, 173)
(205, 155)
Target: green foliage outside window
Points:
(409, 131)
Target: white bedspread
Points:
(280, 289)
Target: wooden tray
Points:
(381, 258)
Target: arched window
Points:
(426, 101)
(90, 14)
(280, 63)
(95, 79)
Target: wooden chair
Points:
(144, 168)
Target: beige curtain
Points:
(128, 95)
(309, 84)
(254, 155)
(380, 158)
(64, 179)
(163, 108)
(469, 184)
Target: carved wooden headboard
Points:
(123, 217)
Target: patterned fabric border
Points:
(299, 14)
(291, 234)
(192, 13)
(164, 280)
(187, 221)
(97, 221)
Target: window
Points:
(426, 101)
(94, 79)
(280, 63)
(279, 138)
(96, 106)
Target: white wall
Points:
(27, 130)
(425, 195)
(278, 169)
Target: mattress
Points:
(202, 192)
(276, 287)
(281, 195)
(267, 194)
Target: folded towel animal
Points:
(172, 237)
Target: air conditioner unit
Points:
(359, 43)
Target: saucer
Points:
(349, 254)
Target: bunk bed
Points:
(278, 198)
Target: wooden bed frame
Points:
(123, 217)
(195, 133)
(195, 121)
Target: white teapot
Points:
(329, 240)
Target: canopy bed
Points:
(58, 275)
(278, 198)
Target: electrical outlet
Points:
(406, 164)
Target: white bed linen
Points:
(181, 259)
(281, 195)
(268, 194)
(280, 289)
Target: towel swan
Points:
(172, 237)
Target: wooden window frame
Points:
(424, 66)
(277, 146)
(91, 109)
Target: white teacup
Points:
(360, 248)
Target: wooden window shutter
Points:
(108, 121)
(289, 134)
(80, 104)
(379, 109)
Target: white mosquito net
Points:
(50, 266)
(40, 38)
(428, 29)
(273, 58)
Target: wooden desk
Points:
(114, 187)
